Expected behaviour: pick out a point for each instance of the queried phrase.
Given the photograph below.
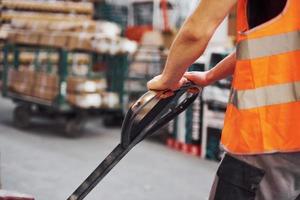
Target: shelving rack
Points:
(60, 107)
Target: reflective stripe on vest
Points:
(266, 96)
(268, 46)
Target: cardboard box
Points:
(21, 81)
(24, 37)
(45, 93)
(21, 88)
(23, 76)
(83, 85)
(111, 100)
(27, 82)
(93, 100)
(46, 80)
(80, 41)
(8, 15)
(12, 77)
(57, 6)
(108, 100)
(54, 39)
(46, 86)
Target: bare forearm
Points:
(194, 37)
(189, 45)
(223, 69)
(184, 51)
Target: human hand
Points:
(159, 83)
(199, 78)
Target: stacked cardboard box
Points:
(27, 82)
(61, 24)
(81, 92)
(27, 57)
(10, 15)
(21, 81)
(92, 100)
(88, 41)
(90, 93)
(81, 41)
(50, 6)
(46, 86)
(83, 85)
(109, 100)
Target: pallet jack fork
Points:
(147, 115)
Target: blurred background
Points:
(69, 72)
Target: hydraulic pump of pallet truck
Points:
(147, 115)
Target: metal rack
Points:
(74, 117)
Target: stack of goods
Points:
(37, 75)
(35, 84)
(90, 93)
(21, 81)
(185, 130)
(28, 58)
(46, 86)
(61, 24)
(44, 60)
(79, 64)
(50, 6)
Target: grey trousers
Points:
(258, 177)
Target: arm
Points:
(191, 42)
(221, 70)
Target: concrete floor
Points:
(39, 161)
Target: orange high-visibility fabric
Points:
(266, 71)
(271, 128)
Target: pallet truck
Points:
(148, 114)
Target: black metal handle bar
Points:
(147, 115)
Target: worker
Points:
(261, 133)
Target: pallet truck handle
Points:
(151, 112)
(146, 116)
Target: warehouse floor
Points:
(39, 161)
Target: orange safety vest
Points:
(263, 114)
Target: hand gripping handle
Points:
(151, 112)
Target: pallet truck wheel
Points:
(74, 127)
(21, 116)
